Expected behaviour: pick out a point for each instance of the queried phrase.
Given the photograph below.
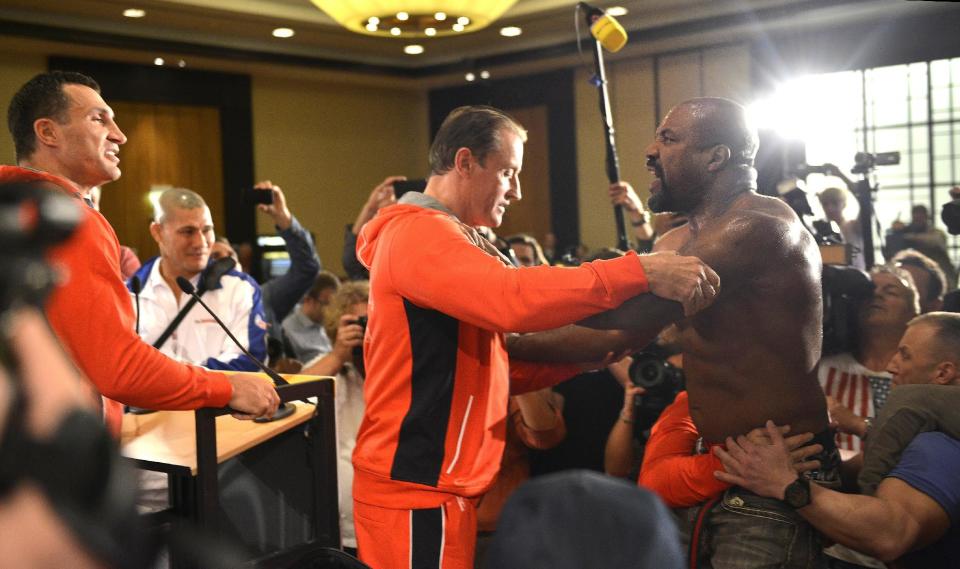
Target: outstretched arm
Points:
(573, 344)
(898, 520)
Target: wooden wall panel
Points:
(532, 213)
(168, 145)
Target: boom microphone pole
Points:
(609, 34)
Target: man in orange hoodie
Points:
(438, 376)
(64, 134)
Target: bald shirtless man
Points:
(752, 355)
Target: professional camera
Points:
(864, 162)
(31, 220)
(845, 288)
(661, 380)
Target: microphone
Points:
(187, 287)
(210, 279)
(604, 28)
(136, 286)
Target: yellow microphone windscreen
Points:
(609, 33)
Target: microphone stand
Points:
(284, 410)
(612, 162)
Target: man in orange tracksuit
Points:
(66, 138)
(438, 376)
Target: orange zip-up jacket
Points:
(437, 368)
(681, 478)
(92, 315)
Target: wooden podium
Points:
(191, 446)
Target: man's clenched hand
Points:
(687, 280)
(253, 396)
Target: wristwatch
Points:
(644, 219)
(797, 493)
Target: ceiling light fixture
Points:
(484, 74)
(134, 13)
(414, 17)
(470, 77)
(158, 61)
(413, 49)
(181, 64)
(510, 31)
(616, 11)
(283, 33)
(430, 32)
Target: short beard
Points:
(660, 202)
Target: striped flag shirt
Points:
(859, 389)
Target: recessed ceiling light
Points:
(440, 16)
(463, 21)
(510, 31)
(181, 63)
(403, 16)
(283, 33)
(394, 31)
(413, 49)
(134, 13)
(470, 76)
(457, 27)
(373, 20)
(158, 61)
(616, 11)
(484, 74)
(430, 32)
(371, 27)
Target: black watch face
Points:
(797, 494)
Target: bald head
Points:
(722, 121)
(176, 198)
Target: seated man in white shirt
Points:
(183, 229)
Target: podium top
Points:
(166, 441)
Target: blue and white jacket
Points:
(199, 339)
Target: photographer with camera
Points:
(280, 294)
(345, 319)
(348, 330)
(651, 379)
(834, 201)
(64, 133)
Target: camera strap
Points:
(209, 280)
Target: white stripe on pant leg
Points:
(410, 547)
(443, 533)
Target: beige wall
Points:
(328, 145)
(634, 87)
(15, 70)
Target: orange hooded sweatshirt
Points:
(92, 315)
(438, 376)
